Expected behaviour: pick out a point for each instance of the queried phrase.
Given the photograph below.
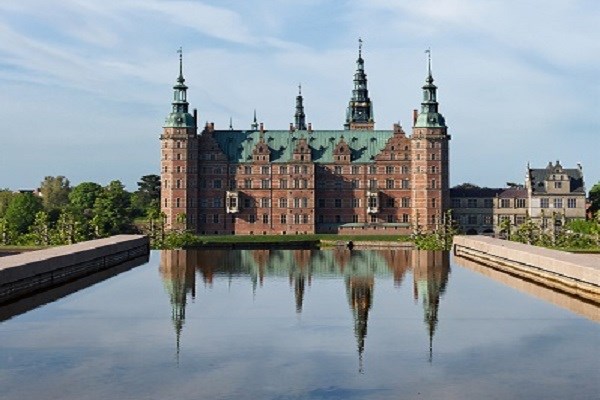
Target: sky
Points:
(86, 84)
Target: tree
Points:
(595, 198)
(466, 185)
(40, 228)
(21, 211)
(81, 205)
(55, 192)
(148, 192)
(112, 210)
(6, 196)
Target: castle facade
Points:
(302, 180)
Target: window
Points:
(558, 203)
(178, 183)
(338, 170)
(321, 203)
(572, 203)
(519, 219)
(297, 202)
(487, 219)
(265, 202)
(390, 218)
(305, 218)
(252, 218)
(296, 169)
(247, 203)
(283, 203)
(248, 183)
(471, 203)
(545, 203)
(372, 169)
(355, 203)
(265, 183)
(283, 218)
(433, 169)
(455, 203)
(338, 203)
(296, 218)
(405, 169)
(405, 184)
(406, 202)
(355, 183)
(405, 218)
(433, 156)
(216, 218)
(520, 203)
(177, 202)
(488, 203)
(389, 183)
(216, 202)
(217, 184)
(557, 185)
(433, 183)
(355, 170)
(433, 202)
(283, 169)
(304, 169)
(265, 170)
(248, 170)
(390, 202)
(373, 218)
(265, 218)
(373, 184)
(389, 170)
(283, 184)
(472, 219)
(232, 202)
(355, 218)
(305, 183)
(304, 202)
(296, 183)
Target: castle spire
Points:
(255, 122)
(299, 116)
(180, 116)
(359, 115)
(429, 117)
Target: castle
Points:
(302, 180)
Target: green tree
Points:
(595, 198)
(68, 229)
(148, 191)
(112, 210)
(6, 196)
(55, 192)
(6, 232)
(21, 211)
(41, 228)
(81, 205)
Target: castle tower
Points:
(429, 159)
(178, 169)
(299, 116)
(359, 115)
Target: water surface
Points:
(301, 324)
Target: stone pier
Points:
(576, 274)
(31, 272)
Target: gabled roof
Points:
(364, 145)
(539, 176)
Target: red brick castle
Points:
(300, 180)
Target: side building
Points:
(473, 209)
(551, 197)
(301, 180)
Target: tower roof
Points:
(360, 107)
(429, 117)
(179, 116)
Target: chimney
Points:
(310, 126)
(415, 115)
(262, 127)
(196, 118)
(291, 127)
(212, 126)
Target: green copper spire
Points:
(429, 116)
(300, 117)
(360, 108)
(180, 117)
(255, 122)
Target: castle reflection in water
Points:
(359, 269)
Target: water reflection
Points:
(358, 269)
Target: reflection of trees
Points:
(430, 275)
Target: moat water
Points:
(301, 324)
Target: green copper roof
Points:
(430, 120)
(179, 120)
(364, 145)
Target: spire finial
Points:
(360, 42)
(300, 89)
(180, 51)
(428, 51)
(255, 122)
(230, 123)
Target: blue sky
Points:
(86, 84)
